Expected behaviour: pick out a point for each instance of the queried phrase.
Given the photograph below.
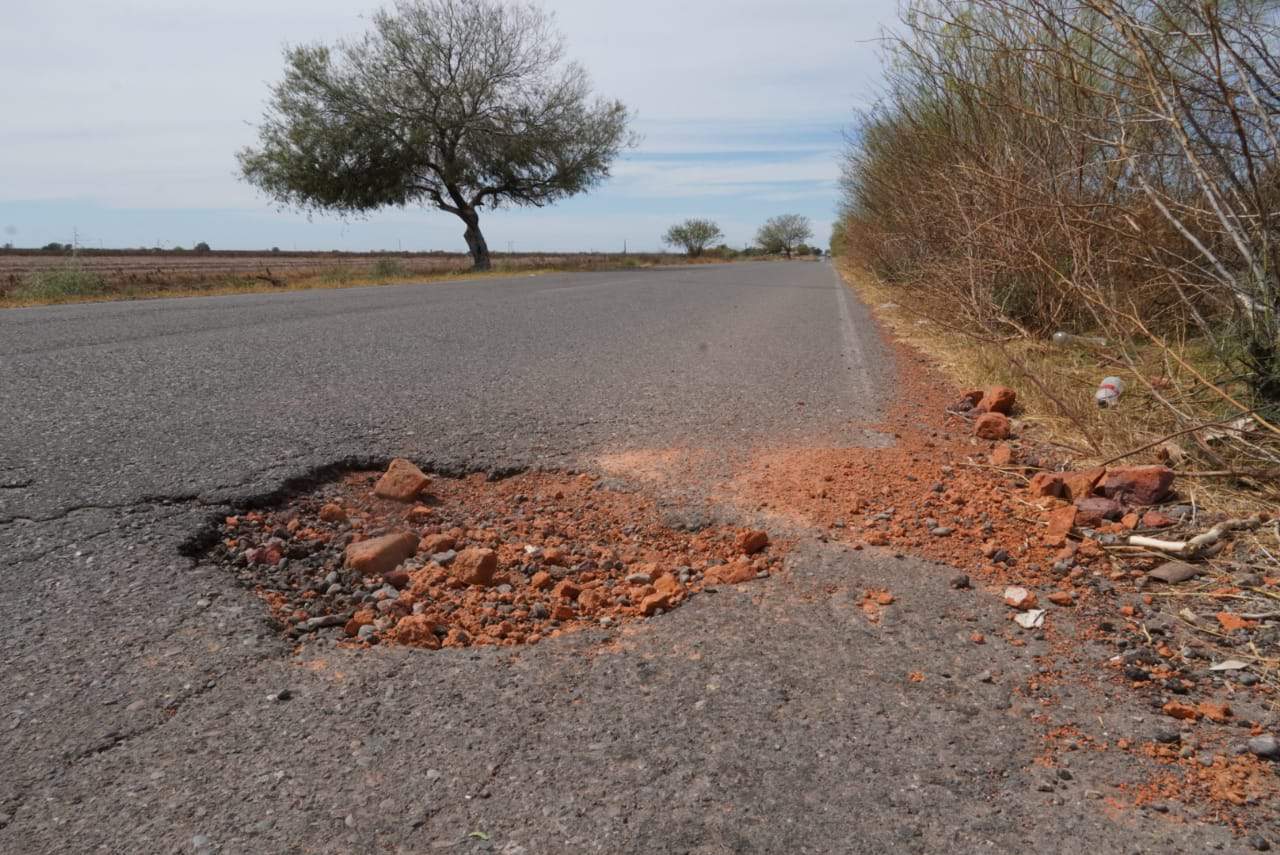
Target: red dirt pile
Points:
(432, 562)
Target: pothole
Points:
(459, 561)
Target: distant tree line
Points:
(784, 235)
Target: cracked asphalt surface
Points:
(135, 692)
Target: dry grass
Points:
(1056, 388)
(85, 284)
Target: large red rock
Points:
(402, 481)
(474, 566)
(993, 426)
(1045, 485)
(1082, 483)
(381, 555)
(1138, 485)
(751, 542)
(1061, 521)
(998, 399)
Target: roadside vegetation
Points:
(35, 277)
(1105, 171)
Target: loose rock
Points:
(380, 555)
(474, 566)
(402, 482)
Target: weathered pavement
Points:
(135, 682)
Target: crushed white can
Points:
(1109, 391)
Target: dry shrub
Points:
(1101, 167)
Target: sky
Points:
(122, 119)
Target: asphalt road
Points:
(135, 682)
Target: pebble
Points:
(282, 695)
(940, 531)
(323, 622)
(444, 559)
(1265, 745)
(539, 611)
(960, 582)
(1260, 844)
(366, 631)
(639, 579)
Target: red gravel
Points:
(565, 549)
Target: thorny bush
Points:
(1094, 166)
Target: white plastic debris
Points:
(1062, 339)
(1030, 619)
(1109, 391)
(1237, 428)
(1229, 665)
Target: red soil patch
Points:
(568, 554)
(933, 493)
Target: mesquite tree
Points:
(784, 233)
(456, 104)
(693, 235)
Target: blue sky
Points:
(123, 120)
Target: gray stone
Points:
(1174, 572)
(1265, 745)
(323, 622)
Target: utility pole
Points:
(624, 246)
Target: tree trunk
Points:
(475, 241)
